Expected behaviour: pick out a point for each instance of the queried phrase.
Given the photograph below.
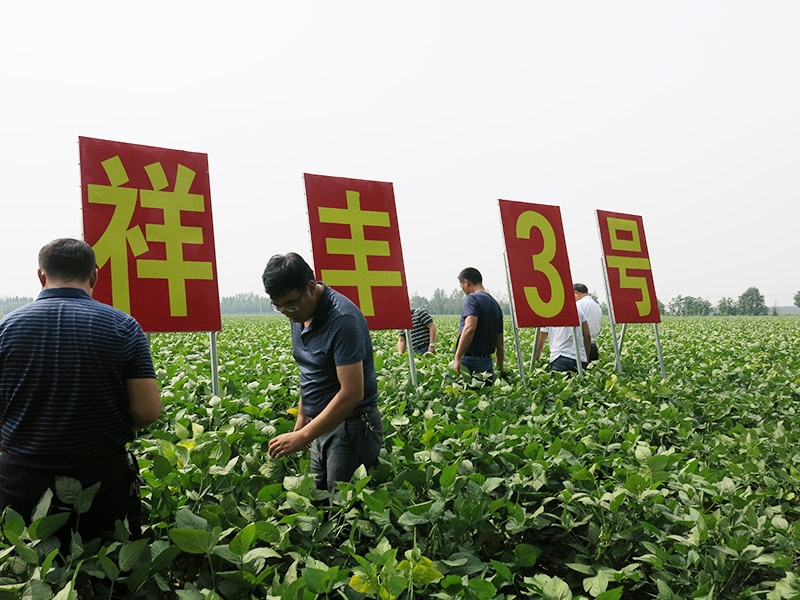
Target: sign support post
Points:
(212, 338)
(412, 365)
(520, 364)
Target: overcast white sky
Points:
(684, 112)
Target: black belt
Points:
(362, 410)
(476, 355)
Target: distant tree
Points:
(726, 307)
(797, 299)
(442, 303)
(9, 304)
(675, 306)
(418, 301)
(689, 306)
(455, 302)
(438, 302)
(662, 309)
(245, 304)
(751, 302)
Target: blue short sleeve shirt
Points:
(337, 336)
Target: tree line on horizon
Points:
(750, 302)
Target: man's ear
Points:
(42, 277)
(93, 278)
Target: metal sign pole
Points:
(520, 364)
(536, 338)
(412, 365)
(660, 354)
(612, 324)
(214, 363)
(578, 362)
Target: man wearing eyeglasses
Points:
(338, 416)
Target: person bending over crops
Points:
(480, 331)
(563, 343)
(338, 416)
(76, 379)
(423, 333)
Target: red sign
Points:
(356, 244)
(538, 265)
(630, 280)
(147, 214)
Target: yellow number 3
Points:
(542, 262)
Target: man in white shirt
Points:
(594, 315)
(562, 344)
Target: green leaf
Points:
(243, 540)
(36, 589)
(502, 571)
(448, 476)
(192, 541)
(614, 594)
(363, 585)
(130, 552)
(526, 555)
(186, 519)
(161, 467)
(316, 580)
(259, 553)
(83, 500)
(26, 554)
(13, 522)
(67, 488)
(44, 527)
(482, 589)
(43, 506)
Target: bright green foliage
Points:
(601, 487)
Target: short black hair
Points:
(286, 273)
(580, 288)
(471, 274)
(67, 259)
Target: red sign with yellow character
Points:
(355, 239)
(627, 262)
(538, 265)
(147, 214)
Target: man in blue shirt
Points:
(338, 416)
(480, 331)
(76, 380)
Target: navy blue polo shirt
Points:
(337, 336)
(490, 322)
(64, 359)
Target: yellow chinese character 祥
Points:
(119, 235)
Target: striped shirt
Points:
(64, 360)
(420, 334)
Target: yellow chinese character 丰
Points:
(360, 249)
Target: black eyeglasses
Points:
(288, 307)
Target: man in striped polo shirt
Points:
(423, 333)
(76, 380)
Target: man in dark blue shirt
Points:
(338, 414)
(480, 331)
(76, 379)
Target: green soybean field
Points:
(601, 486)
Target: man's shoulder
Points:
(341, 308)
